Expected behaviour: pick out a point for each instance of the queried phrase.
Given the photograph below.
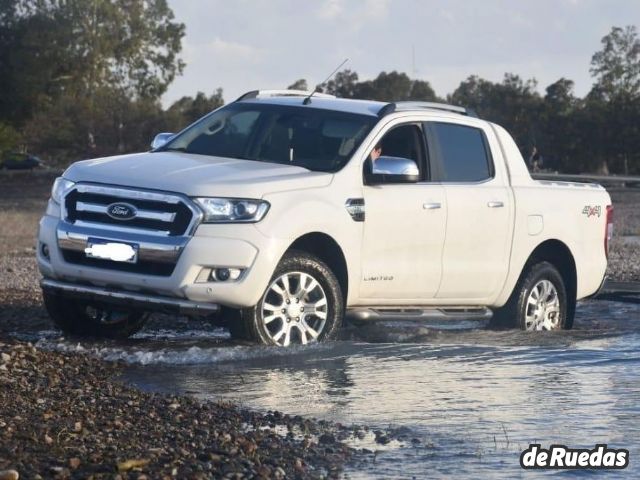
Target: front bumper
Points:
(141, 301)
(230, 245)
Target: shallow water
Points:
(467, 400)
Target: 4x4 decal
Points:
(590, 211)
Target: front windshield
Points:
(319, 140)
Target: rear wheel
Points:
(302, 304)
(76, 317)
(539, 301)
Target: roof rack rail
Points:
(414, 105)
(282, 93)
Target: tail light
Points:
(608, 233)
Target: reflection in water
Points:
(473, 399)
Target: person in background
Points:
(535, 160)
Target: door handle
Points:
(431, 206)
(495, 204)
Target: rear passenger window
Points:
(463, 152)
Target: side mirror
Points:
(391, 170)
(161, 139)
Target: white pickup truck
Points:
(289, 212)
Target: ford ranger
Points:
(289, 211)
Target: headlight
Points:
(223, 210)
(60, 187)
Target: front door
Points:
(404, 229)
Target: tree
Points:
(300, 84)
(188, 109)
(615, 97)
(9, 138)
(514, 103)
(561, 129)
(343, 85)
(616, 67)
(89, 59)
(421, 90)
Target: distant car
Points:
(20, 161)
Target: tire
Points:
(538, 302)
(301, 281)
(87, 319)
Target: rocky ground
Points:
(68, 416)
(64, 416)
(624, 256)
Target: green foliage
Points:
(617, 66)
(615, 101)
(187, 110)
(84, 78)
(394, 86)
(9, 138)
(72, 71)
(343, 84)
(514, 103)
(300, 84)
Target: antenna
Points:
(307, 100)
(413, 60)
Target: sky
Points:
(243, 45)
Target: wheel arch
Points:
(559, 255)
(329, 251)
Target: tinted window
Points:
(404, 141)
(463, 152)
(321, 140)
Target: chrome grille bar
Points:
(87, 204)
(145, 214)
(127, 193)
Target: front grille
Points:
(142, 267)
(157, 213)
(161, 226)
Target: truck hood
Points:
(196, 175)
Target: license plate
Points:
(112, 250)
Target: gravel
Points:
(68, 416)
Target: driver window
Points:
(404, 141)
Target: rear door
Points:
(479, 211)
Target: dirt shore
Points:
(68, 416)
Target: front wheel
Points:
(302, 304)
(539, 301)
(76, 317)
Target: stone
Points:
(9, 475)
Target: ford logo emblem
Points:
(121, 211)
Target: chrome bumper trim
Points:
(131, 299)
(152, 248)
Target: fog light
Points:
(44, 249)
(222, 274)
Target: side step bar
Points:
(143, 301)
(375, 314)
